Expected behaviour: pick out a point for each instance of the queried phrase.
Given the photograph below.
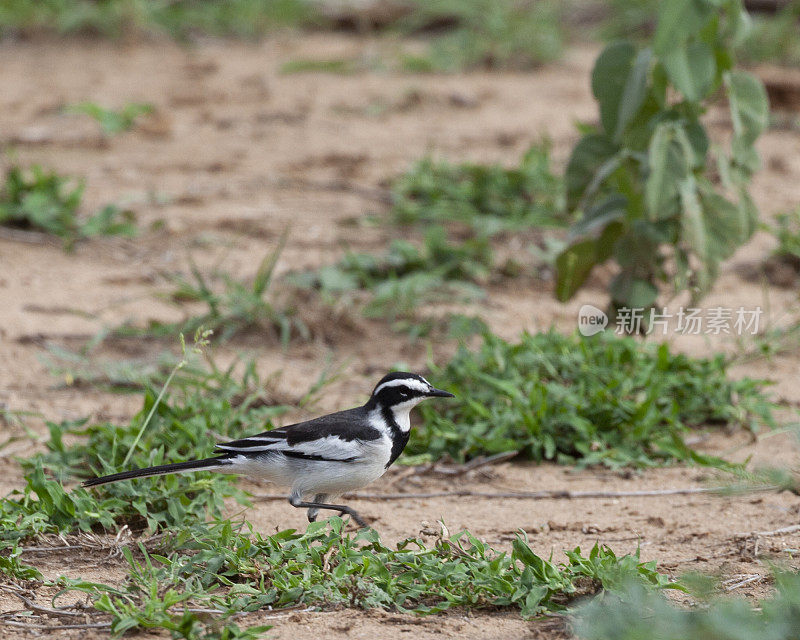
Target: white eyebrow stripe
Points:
(412, 383)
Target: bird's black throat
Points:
(399, 437)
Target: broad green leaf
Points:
(678, 21)
(694, 230)
(698, 139)
(749, 105)
(633, 292)
(740, 23)
(599, 215)
(634, 92)
(608, 239)
(587, 157)
(691, 68)
(748, 215)
(533, 600)
(639, 130)
(609, 80)
(524, 553)
(667, 167)
(637, 250)
(729, 224)
(573, 266)
(600, 177)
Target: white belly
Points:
(335, 478)
(308, 477)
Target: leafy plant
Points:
(113, 122)
(486, 33)
(195, 576)
(772, 37)
(600, 400)
(787, 231)
(636, 614)
(10, 564)
(42, 200)
(324, 566)
(642, 181)
(487, 199)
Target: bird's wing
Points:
(337, 437)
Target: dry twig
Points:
(794, 528)
(553, 494)
(56, 627)
(741, 580)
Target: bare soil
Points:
(237, 152)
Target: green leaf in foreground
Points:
(219, 566)
(605, 399)
(635, 614)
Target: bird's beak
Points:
(440, 393)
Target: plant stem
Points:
(152, 411)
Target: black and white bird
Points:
(321, 458)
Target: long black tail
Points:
(177, 467)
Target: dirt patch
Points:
(236, 154)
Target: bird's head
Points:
(401, 391)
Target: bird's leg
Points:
(313, 511)
(297, 501)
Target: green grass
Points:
(198, 411)
(787, 232)
(486, 199)
(325, 566)
(41, 200)
(407, 275)
(602, 400)
(488, 34)
(227, 569)
(478, 34)
(202, 573)
(312, 65)
(180, 19)
(635, 614)
(112, 122)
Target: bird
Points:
(320, 458)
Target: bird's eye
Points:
(404, 394)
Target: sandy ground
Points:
(237, 153)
